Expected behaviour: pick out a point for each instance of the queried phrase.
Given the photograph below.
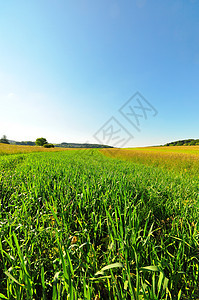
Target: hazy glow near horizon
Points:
(67, 68)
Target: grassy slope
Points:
(66, 215)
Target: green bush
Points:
(48, 146)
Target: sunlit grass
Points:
(80, 225)
(169, 149)
(15, 149)
(183, 159)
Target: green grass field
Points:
(80, 225)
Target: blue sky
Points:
(67, 67)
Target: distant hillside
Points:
(62, 145)
(75, 145)
(190, 142)
(23, 143)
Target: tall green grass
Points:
(79, 225)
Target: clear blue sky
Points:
(67, 67)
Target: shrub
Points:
(48, 146)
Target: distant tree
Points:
(4, 140)
(41, 141)
(29, 143)
(180, 143)
(48, 146)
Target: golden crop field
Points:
(15, 149)
(170, 149)
(183, 159)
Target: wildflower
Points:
(74, 240)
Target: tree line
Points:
(189, 142)
(39, 142)
(44, 143)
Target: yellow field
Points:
(170, 149)
(183, 159)
(15, 149)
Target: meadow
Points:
(7, 149)
(79, 224)
(178, 159)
